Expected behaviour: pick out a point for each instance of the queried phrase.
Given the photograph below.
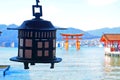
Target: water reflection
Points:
(85, 64)
(112, 60)
(112, 68)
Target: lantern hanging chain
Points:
(37, 1)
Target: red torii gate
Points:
(68, 37)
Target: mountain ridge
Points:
(106, 30)
(9, 36)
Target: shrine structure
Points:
(68, 37)
(111, 43)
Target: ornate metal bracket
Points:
(37, 1)
(37, 14)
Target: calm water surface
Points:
(85, 64)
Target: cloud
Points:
(101, 2)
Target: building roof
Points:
(110, 37)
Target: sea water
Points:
(84, 64)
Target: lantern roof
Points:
(35, 24)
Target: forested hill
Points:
(9, 36)
(100, 32)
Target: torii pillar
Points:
(68, 37)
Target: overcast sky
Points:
(82, 14)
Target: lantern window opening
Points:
(39, 44)
(39, 53)
(46, 53)
(28, 42)
(46, 44)
(54, 53)
(20, 53)
(28, 53)
(29, 34)
(54, 43)
(21, 42)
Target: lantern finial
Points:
(37, 7)
(37, 1)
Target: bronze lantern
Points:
(36, 41)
